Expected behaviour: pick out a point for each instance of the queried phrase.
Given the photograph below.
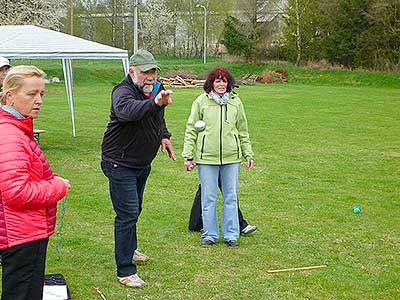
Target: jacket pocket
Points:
(203, 141)
(237, 146)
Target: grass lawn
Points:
(320, 150)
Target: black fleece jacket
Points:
(135, 129)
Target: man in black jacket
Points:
(134, 133)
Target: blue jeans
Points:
(228, 175)
(126, 191)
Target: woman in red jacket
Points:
(29, 190)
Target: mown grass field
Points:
(321, 147)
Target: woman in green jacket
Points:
(216, 140)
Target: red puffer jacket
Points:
(28, 190)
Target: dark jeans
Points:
(23, 271)
(126, 191)
(195, 220)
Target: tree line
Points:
(352, 33)
(167, 27)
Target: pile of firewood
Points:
(179, 82)
(279, 75)
(248, 79)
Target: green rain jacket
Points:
(225, 139)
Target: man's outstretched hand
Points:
(166, 145)
(163, 98)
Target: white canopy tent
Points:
(32, 42)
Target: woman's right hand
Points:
(66, 181)
(250, 164)
(189, 165)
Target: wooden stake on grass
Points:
(297, 269)
(101, 295)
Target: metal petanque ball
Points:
(200, 125)
(356, 209)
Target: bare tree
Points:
(303, 18)
(298, 32)
(157, 27)
(71, 17)
(259, 23)
(45, 13)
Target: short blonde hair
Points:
(15, 77)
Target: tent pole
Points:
(125, 63)
(68, 85)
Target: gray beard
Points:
(146, 88)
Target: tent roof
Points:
(32, 42)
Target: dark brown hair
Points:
(219, 73)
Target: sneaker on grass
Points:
(232, 244)
(139, 257)
(206, 243)
(133, 281)
(248, 229)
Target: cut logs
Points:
(179, 82)
(183, 80)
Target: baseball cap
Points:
(4, 62)
(144, 60)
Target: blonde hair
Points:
(15, 77)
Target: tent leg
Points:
(67, 68)
(125, 63)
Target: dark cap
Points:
(144, 60)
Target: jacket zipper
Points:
(202, 146)
(220, 138)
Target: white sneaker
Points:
(133, 281)
(139, 257)
(248, 229)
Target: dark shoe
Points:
(232, 243)
(206, 243)
(248, 229)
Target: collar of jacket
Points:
(232, 95)
(25, 125)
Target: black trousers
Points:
(23, 271)
(195, 220)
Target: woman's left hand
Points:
(250, 164)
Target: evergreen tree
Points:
(235, 42)
(382, 40)
(345, 41)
